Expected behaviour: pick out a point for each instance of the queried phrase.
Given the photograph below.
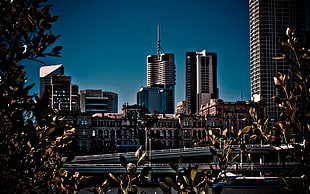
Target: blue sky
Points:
(106, 42)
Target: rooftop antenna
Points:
(158, 40)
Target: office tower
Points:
(161, 71)
(63, 95)
(268, 23)
(98, 101)
(201, 79)
(156, 99)
(46, 73)
(160, 82)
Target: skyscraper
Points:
(268, 23)
(161, 70)
(63, 95)
(160, 82)
(46, 73)
(201, 79)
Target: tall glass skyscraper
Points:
(269, 20)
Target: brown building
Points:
(233, 116)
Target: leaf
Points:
(132, 172)
(141, 158)
(246, 129)
(138, 152)
(186, 180)
(225, 132)
(169, 180)
(213, 152)
(123, 161)
(174, 166)
(164, 187)
(57, 49)
(193, 174)
(51, 130)
(145, 171)
(54, 18)
(113, 177)
(282, 127)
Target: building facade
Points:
(156, 99)
(159, 94)
(233, 116)
(64, 96)
(98, 101)
(46, 73)
(201, 79)
(113, 132)
(268, 23)
(161, 71)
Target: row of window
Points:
(157, 134)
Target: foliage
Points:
(293, 99)
(293, 93)
(126, 180)
(187, 180)
(32, 138)
(259, 130)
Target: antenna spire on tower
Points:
(158, 40)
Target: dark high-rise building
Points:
(98, 101)
(64, 95)
(201, 79)
(269, 20)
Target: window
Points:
(186, 123)
(84, 122)
(106, 133)
(93, 133)
(100, 133)
(84, 132)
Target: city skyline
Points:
(106, 43)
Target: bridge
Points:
(165, 154)
(166, 169)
